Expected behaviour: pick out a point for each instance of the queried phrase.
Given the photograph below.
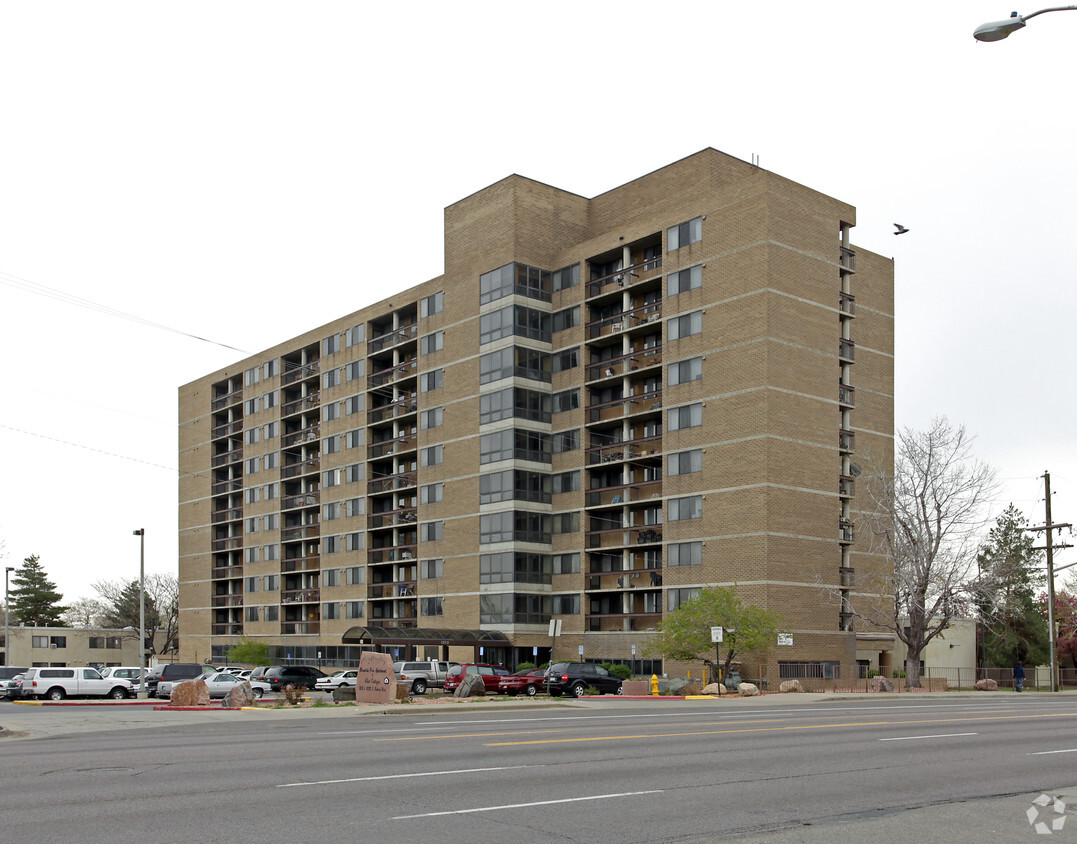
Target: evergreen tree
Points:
(123, 611)
(1013, 624)
(34, 598)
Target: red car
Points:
(491, 676)
(530, 682)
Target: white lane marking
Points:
(1049, 752)
(407, 776)
(525, 805)
(940, 735)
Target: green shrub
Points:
(525, 666)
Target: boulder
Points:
(692, 687)
(986, 685)
(790, 686)
(241, 694)
(190, 693)
(879, 683)
(716, 689)
(748, 689)
(470, 686)
(402, 692)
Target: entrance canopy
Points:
(422, 636)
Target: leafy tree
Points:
(34, 598)
(685, 633)
(85, 612)
(928, 516)
(249, 652)
(1066, 623)
(1014, 627)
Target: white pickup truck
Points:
(420, 676)
(58, 683)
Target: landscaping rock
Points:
(790, 686)
(241, 694)
(470, 686)
(343, 693)
(716, 689)
(747, 690)
(881, 684)
(986, 685)
(190, 693)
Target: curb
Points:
(84, 702)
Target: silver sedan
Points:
(219, 685)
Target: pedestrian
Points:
(1018, 676)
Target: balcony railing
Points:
(397, 445)
(847, 304)
(392, 554)
(624, 494)
(230, 629)
(311, 562)
(398, 408)
(637, 449)
(226, 601)
(847, 259)
(847, 350)
(623, 365)
(611, 622)
(221, 402)
(299, 405)
(846, 395)
(228, 428)
(625, 321)
(226, 457)
(226, 572)
(397, 372)
(304, 435)
(300, 628)
(846, 440)
(227, 485)
(627, 277)
(228, 543)
(391, 518)
(402, 334)
(229, 515)
(403, 480)
(846, 487)
(307, 499)
(299, 372)
(301, 596)
(303, 467)
(294, 534)
(400, 589)
(845, 532)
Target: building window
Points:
(565, 605)
(686, 554)
(251, 525)
(568, 318)
(355, 575)
(514, 278)
(685, 462)
(269, 552)
(430, 343)
(431, 569)
(514, 320)
(270, 399)
(250, 465)
(353, 404)
(331, 345)
(331, 378)
(566, 482)
(331, 577)
(432, 456)
(685, 280)
(565, 278)
(270, 521)
(331, 445)
(677, 597)
(431, 380)
(331, 478)
(431, 531)
(516, 361)
(689, 507)
(684, 325)
(566, 522)
(270, 430)
(353, 541)
(272, 613)
(330, 544)
(252, 436)
(515, 444)
(331, 610)
(251, 495)
(686, 370)
(432, 493)
(432, 418)
(250, 407)
(565, 400)
(354, 507)
(566, 441)
(688, 416)
(354, 472)
(514, 567)
(354, 370)
(251, 555)
(270, 369)
(684, 234)
(251, 377)
(271, 460)
(430, 606)
(514, 402)
(565, 359)
(354, 335)
(269, 492)
(331, 511)
(514, 484)
(433, 304)
(566, 564)
(354, 439)
(514, 526)
(353, 609)
(330, 412)
(250, 613)
(271, 583)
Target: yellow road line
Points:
(778, 729)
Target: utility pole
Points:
(1049, 547)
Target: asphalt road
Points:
(931, 767)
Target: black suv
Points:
(576, 677)
(279, 676)
(174, 671)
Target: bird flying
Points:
(900, 228)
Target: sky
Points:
(184, 184)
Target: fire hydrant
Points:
(654, 685)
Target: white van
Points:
(58, 683)
(127, 672)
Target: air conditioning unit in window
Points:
(53, 645)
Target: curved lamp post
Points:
(997, 30)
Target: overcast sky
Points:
(243, 172)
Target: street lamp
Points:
(997, 30)
(141, 534)
(7, 619)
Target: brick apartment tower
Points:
(602, 406)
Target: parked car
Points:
(529, 682)
(576, 677)
(128, 672)
(11, 689)
(491, 676)
(279, 676)
(420, 676)
(175, 671)
(219, 685)
(58, 683)
(7, 674)
(347, 677)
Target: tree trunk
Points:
(912, 669)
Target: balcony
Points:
(845, 532)
(300, 628)
(847, 260)
(402, 334)
(226, 457)
(228, 429)
(226, 572)
(392, 518)
(397, 445)
(398, 372)
(400, 589)
(847, 304)
(228, 629)
(624, 494)
(299, 372)
(301, 596)
(846, 395)
(401, 407)
(291, 502)
(392, 553)
(311, 562)
(295, 534)
(637, 449)
(846, 487)
(402, 480)
(228, 543)
(625, 364)
(626, 278)
(847, 350)
(221, 402)
(300, 437)
(621, 537)
(228, 515)
(619, 622)
(307, 402)
(226, 601)
(303, 467)
(628, 320)
(227, 485)
(846, 441)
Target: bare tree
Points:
(929, 515)
(84, 612)
(161, 608)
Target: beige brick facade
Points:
(686, 367)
